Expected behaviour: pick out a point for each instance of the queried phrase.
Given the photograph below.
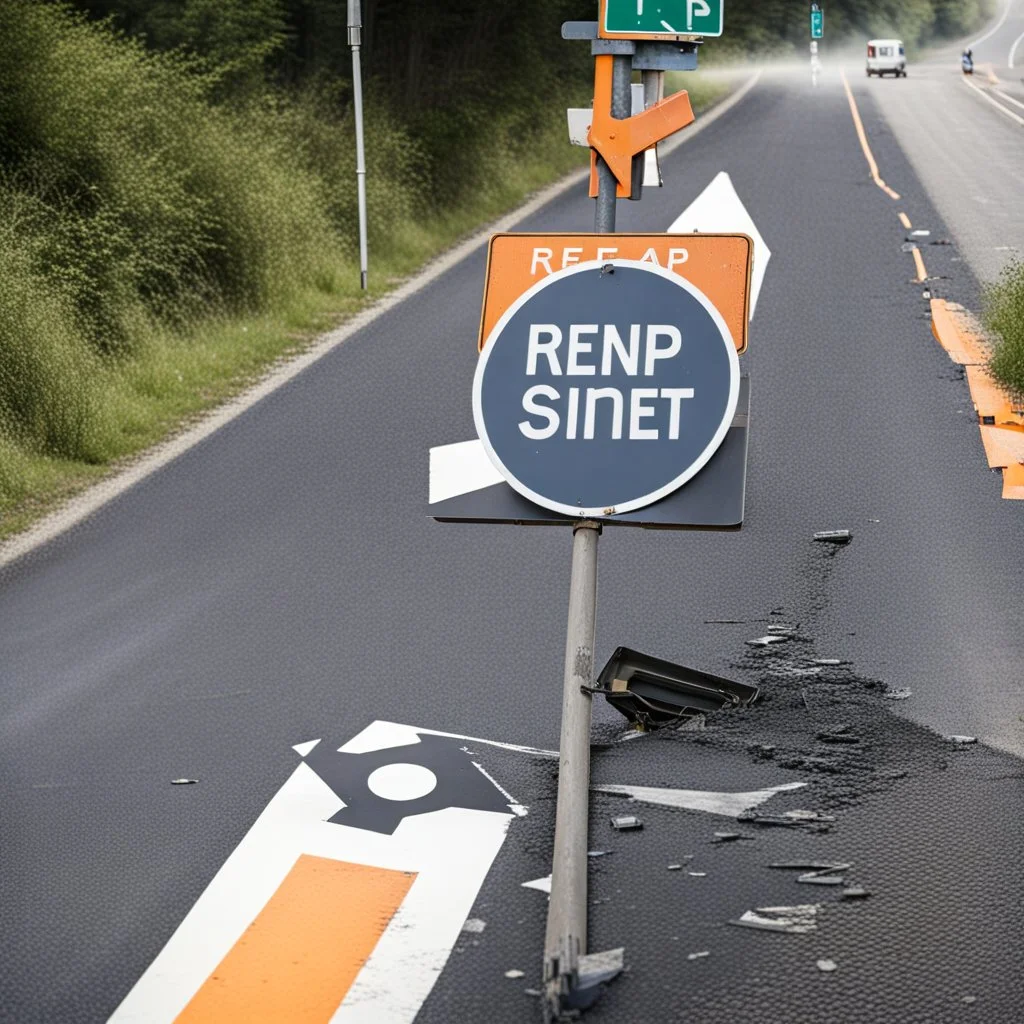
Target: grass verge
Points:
(1004, 320)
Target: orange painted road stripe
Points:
(922, 274)
(301, 954)
(862, 135)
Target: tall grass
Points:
(1004, 318)
(160, 242)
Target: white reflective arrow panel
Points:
(719, 210)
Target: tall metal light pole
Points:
(355, 40)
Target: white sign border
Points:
(662, 492)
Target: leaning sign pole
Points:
(590, 409)
(355, 40)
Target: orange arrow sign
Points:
(619, 140)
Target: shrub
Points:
(1004, 318)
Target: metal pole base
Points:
(566, 939)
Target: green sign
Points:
(664, 17)
(817, 22)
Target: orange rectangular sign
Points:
(719, 265)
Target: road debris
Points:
(781, 629)
(833, 662)
(790, 819)
(474, 926)
(675, 867)
(810, 865)
(833, 536)
(599, 853)
(702, 955)
(901, 694)
(819, 879)
(651, 692)
(968, 1000)
(540, 884)
(855, 893)
(838, 734)
(796, 920)
(626, 823)
(730, 837)
(962, 741)
(827, 966)
(767, 641)
(183, 782)
(515, 974)
(595, 970)
(697, 874)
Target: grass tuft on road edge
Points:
(1004, 319)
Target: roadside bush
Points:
(129, 203)
(1004, 318)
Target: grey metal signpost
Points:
(355, 40)
(588, 402)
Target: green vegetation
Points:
(174, 218)
(1004, 319)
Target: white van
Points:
(887, 57)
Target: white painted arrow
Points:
(719, 210)
(728, 805)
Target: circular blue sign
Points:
(605, 387)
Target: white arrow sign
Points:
(718, 209)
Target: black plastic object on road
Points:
(652, 692)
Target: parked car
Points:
(887, 57)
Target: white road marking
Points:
(728, 805)
(94, 498)
(540, 884)
(1008, 98)
(451, 851)
(995, 103)
(1013, 49)
(996, 27)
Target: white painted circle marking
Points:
(402, 782)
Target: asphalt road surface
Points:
(281, 582)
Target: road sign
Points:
(605, 388)
(719, 265)
(817, 22)
(660, 19)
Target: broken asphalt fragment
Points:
(728, 805)
(962, 741)
(474, 926)
(796, 920)
(626, 823)
(855, 893)
(767, 641)
(900, 694)
(830, 661)
(595, 971)
(729, 837)
(833, 536)
(652, 692)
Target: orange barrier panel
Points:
(719, 265)
(298, 959)
(962, 344)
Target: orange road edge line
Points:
(1013, 483)
(862, 135)
(905, 221)
(300, 956)
(922, 274)
(961, 345)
